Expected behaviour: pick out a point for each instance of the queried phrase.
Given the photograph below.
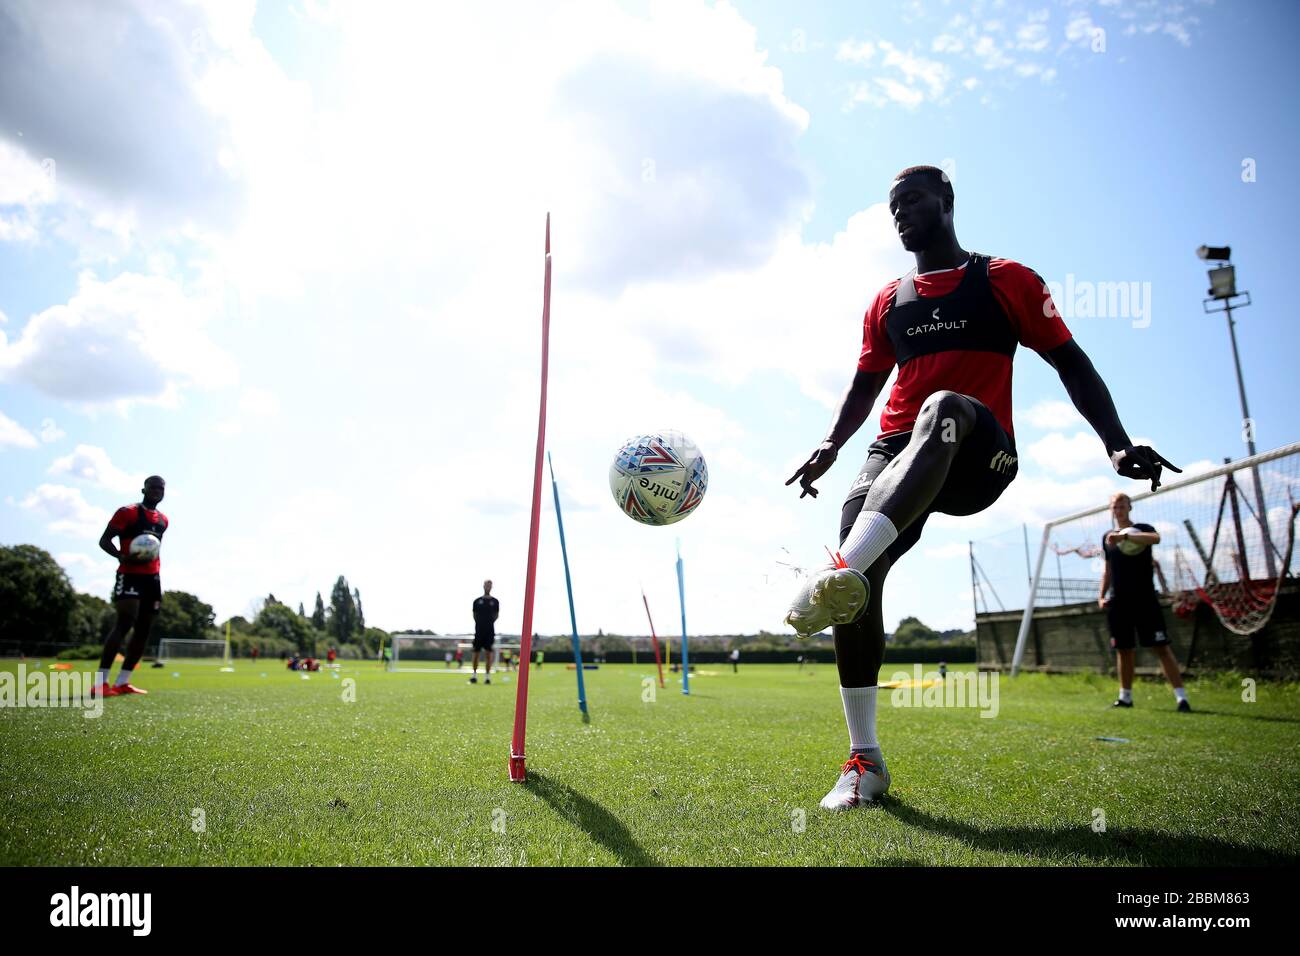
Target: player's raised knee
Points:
(947, 413)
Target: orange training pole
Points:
(518, 770)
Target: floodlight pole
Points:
(1247, 423)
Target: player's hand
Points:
(818, 463)
(1112, 537)
(1102, 601)
(1141, 462)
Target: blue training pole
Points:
(681, 594)
(568, 586)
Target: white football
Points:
(659, 478)
(145, 547)
(1127, 545)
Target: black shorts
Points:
(146, 588)
(484, 642)
(985, 464)
(1144, 618)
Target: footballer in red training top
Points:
(137, 590)
(946, 443)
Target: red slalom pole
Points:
(518, 770)
(653, 639)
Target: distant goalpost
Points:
(428, 653)
(197, 651)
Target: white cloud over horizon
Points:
(92, 464)
(14, 435)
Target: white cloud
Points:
(26, 184)
(259, 402)
(11, 433)
(82, 567)
(949, 551)
(902, 77)
(1179, 32)
(1052, 414)
(92, 464)
(853, 51)
(134, 338)
(67, 511)
(1081, 29)
(1059, 454)
(50, 431)
(65, 67)
(635, 116)
(1032, 36)
(990, 54)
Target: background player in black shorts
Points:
(946, 442)
(486, 610)
(1132, 607)
(137, 590)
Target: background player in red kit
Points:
(946, 442)
(137, 591)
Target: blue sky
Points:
(289, 257)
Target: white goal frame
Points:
(442, 643)
(174, 648)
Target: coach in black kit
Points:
(1132, 609)
(486, 610)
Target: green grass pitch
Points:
(285, 771)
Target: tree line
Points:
(39, 605)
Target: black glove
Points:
(1141, 462)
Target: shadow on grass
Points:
(589, 816)
(1241, 716)
(1133, 846)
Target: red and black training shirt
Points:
(984, 375)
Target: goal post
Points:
(436, 653)
(1227, 540)
(198, 651)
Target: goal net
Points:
(1227, 543)
(199, 651)
(446, 653)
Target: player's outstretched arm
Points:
(1092, 398)
(852, 411)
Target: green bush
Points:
(84, 652)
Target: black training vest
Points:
(142, 524)
(968, 319)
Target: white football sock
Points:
(860, 715)
(123, 677)
(871, 534)
(1126, 695)
(1180, 693)
(101, 677)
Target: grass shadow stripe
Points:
(589, 816)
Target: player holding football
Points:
(1132, 606)
(137, 591)
(946, 442)
(486, 610)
